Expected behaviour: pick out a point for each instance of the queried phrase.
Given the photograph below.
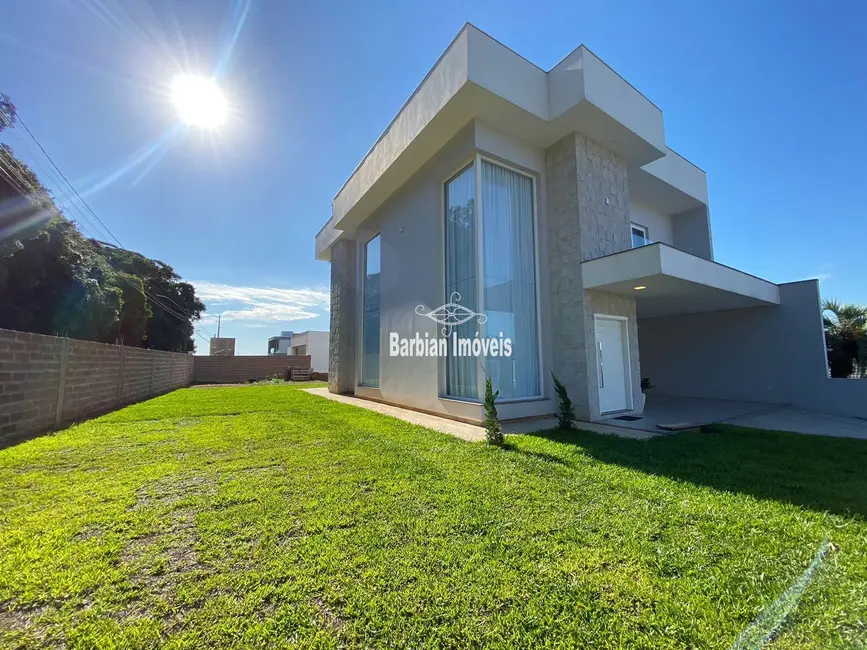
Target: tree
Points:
(53, 280)
(52, 283)
(172, 306)
(7, 112)
(845, 337)
(25, 205)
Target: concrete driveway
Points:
(788, 418)
(665, 410)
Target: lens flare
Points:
(199, 101)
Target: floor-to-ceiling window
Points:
(462, 378)
(509, 279)
(490, 262)
(370, 314)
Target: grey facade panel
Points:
(691, 230)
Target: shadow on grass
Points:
(817, 472)
(528, 453)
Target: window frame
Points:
(363, 275)
(638, 226)
(476, 162)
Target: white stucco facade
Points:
(314, 344)
(596, 152)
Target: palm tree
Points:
(846, 338)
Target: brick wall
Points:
(237, 370)
(47, 381)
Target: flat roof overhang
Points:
(676, 282)
(479, 78)
(671, 183)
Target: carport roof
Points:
(666, 281)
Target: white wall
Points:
(657, 223)
(435, 90)
(678, 172)
(317, 348)
(410, 226)
(506, 73)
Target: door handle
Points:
(601, 365)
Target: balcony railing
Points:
(639, 241)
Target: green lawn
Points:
(266, 517)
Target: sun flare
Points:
(199, 101)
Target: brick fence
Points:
(47, 381)
(236, 370)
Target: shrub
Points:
(493, 428)
(566, 412)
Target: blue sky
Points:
(769, 98)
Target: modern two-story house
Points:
(546, 208)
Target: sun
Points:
(199, 101)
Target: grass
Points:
(265, 517)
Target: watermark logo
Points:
(450, 315)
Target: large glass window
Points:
(506, 262)
(370, 325)
(509, 279)
(462, 373)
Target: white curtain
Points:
(371, 308)
(510, 279)
(461, 277)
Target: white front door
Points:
(612, 364)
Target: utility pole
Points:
(219, 316)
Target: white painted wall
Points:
(678, 172)
(478, 77)
(410, 226)
(615, 96)
(317, 348)
(432, 94)
(501, 70)
(657, 223)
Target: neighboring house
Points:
(551, 202)
(314, 344)
(222, 347)
(280, 344)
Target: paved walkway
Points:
(780, 418)
(470, 432)
(460, 430)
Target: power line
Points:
(10, 169)
(91, 211)
(28, 192)
(22, 185)
(68, 202)
(72, 204)
(53, 164)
